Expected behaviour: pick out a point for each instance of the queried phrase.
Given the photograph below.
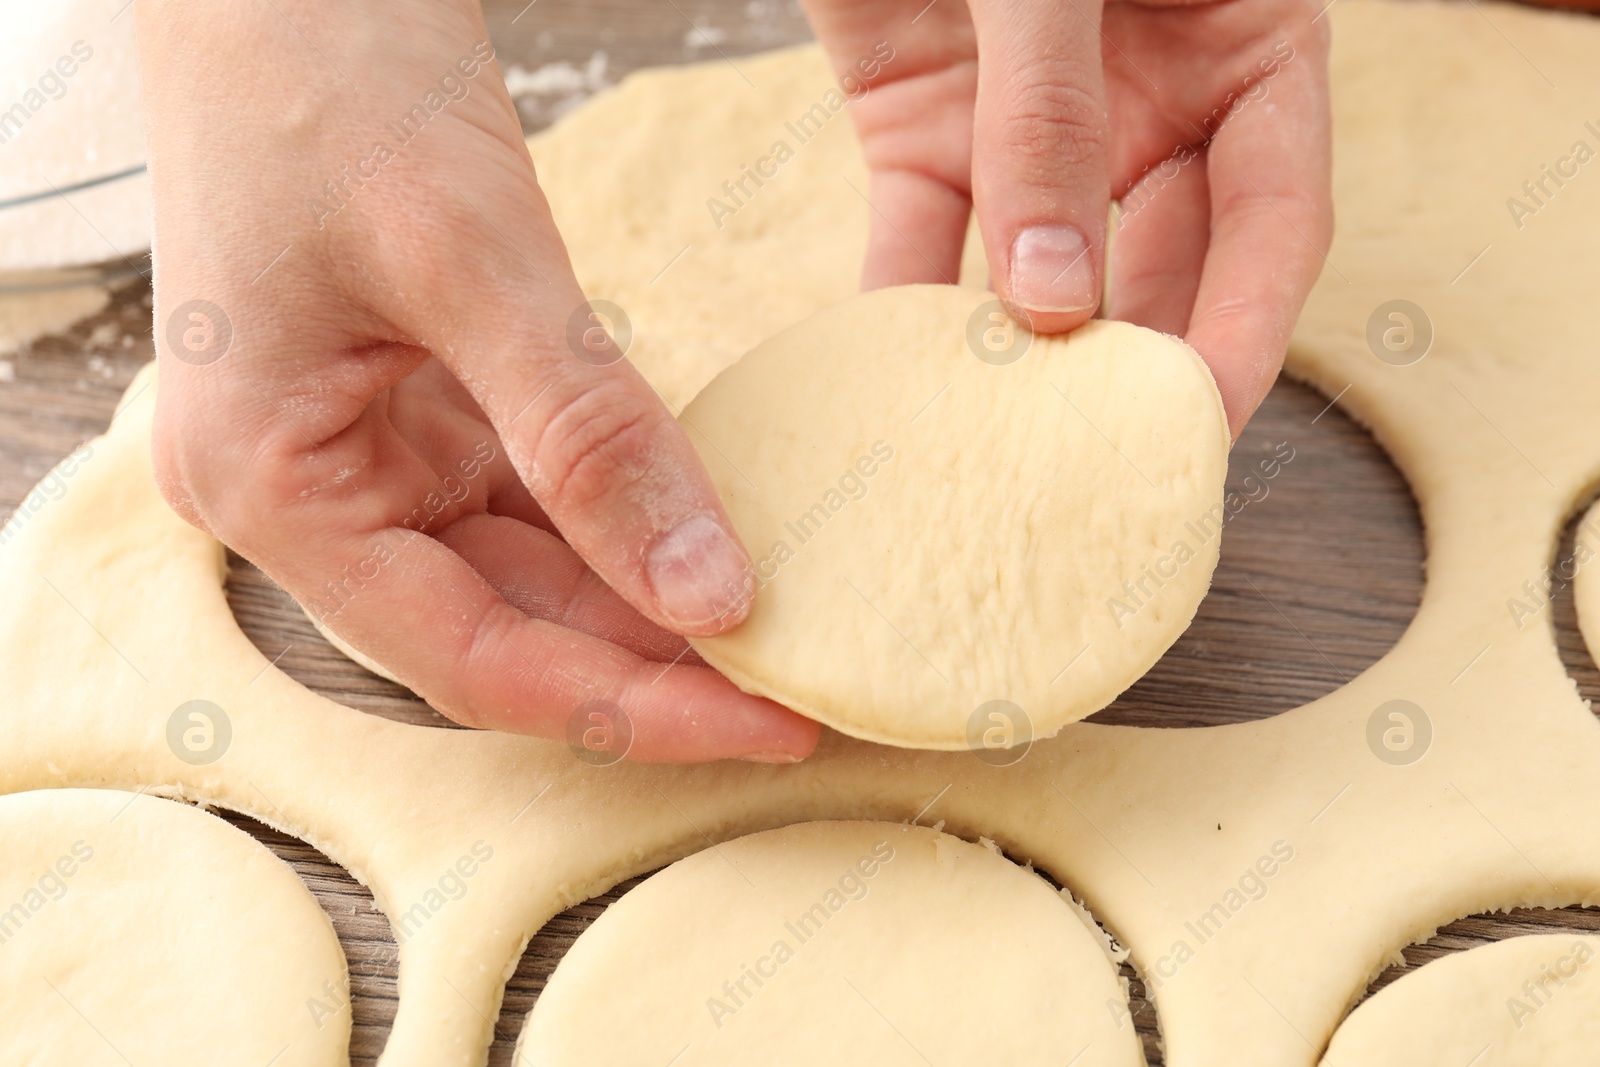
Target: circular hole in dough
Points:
(837, 942)
(1572, 577)
(294, 642)
(1320, 529)
(945, 513)
(138, 930)
(1522, 1002)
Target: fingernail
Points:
(1051, 270)
(699, 572)
(771, 757)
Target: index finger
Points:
(587, 434)
(440, 628)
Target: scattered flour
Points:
(560, 78)
(698, 37)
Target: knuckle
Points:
(246, 491)
(245, 499)
(602, 439)
(1050, 122)
(496, 668)
(1295, 215)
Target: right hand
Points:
(1032, 112)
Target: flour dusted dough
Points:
(350, 652)
(934, 531)
(138, 931)
(699, 294)
(702, 287)
(837, 942)
(1260, 874)
(1523, 1002)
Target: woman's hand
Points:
(1208, 120)
(381, 383)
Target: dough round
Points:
(349, 651)
(138, 930)
(1523, 1002)
(837, 943)
(938, 525)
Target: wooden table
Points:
(1318, 577)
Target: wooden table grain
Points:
(1320, 572)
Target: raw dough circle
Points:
(1522, 1002)
(837, 942)
(138, 930)
(936, 528)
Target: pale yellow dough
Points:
(1524, 1002)
(837, 942)
(934, 532)
(134, 930)
(108, 627)
(698, 294)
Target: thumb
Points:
(586, 433)
(1040, 179)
